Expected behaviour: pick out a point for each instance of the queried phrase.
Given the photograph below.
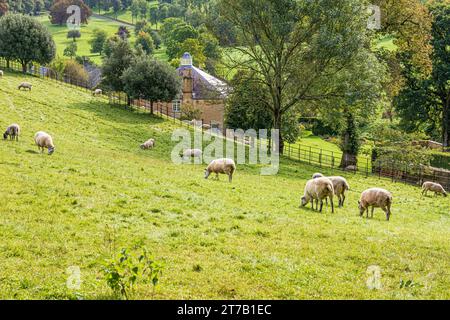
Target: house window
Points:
(176, 106)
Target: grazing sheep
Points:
(351, 168)
(340, 186)
(375, 198)
(26, 85)
(317, 175)
(97, 92)
(206, 127)
(433, 187)
(192, 153)
(318, 190)
(149, 144)
(1, 74)
(223, 166)
(44, 140)
(12, 131)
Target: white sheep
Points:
(223, 166)
(1, 74)
(97, 92)
(351, 168)
(192, 153)
(375, 198)
(433, 187)
(340, 186)
(26, 85)
(318, 190)
(317, 175)
(149, 144)
(44, 140)
(206, 127)
(13, 131)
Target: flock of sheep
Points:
(318, 189)
(42, 139)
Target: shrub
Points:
(74, 73)
(124, 272)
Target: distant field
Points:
(245, 240)
(84, 49)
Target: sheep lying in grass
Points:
(44, 140)
(433, 187)
(223, 166)
(149, 144)
(12, 131)
(97, 92)
(340, 186)
(318, 190)
(26, 85)
(192, 153)
(375, 198)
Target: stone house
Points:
(202, 94)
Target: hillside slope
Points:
(247, 240)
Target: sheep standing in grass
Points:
(375, 198)
(1, 74)
(12, 131)
(317, 175)
(44, 140)
(149, 144)
(97, 92)
(340, 186)
(26, 85)
(318, 190)
(223, 166)
(192, 153)
(433, 187)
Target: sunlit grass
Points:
(250, 238)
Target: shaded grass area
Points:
(250, 238)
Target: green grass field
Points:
(245, 240)
(84, 48)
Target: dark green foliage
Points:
(98, 40)
(115, 63)
(25, 39)
(151, 80)
(424, 103)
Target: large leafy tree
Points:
(25, 39)
(424, 104)
(151, 80)
(119, 58)
(295, 48)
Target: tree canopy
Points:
(25, 39)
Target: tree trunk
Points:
(446, 123)
(349, 142)
(128, 101)
(24, 67)
(151, 107)
(278, 145)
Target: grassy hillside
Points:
(247, 240)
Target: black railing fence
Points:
(47, 73)
(397, 172)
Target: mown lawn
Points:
(59, 34)
(244, 240)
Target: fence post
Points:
(367, 167)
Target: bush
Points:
(127, 270)
(74, 73)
